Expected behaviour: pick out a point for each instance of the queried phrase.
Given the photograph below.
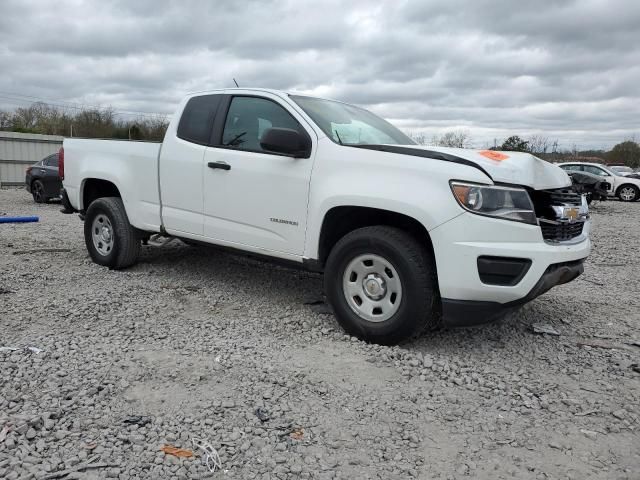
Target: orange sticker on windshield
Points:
(497, 156)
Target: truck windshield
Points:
(349, 125)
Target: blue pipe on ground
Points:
(18, 219)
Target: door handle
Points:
(220, 165)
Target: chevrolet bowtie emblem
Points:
(571, 213)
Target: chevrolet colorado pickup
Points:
(407, 236)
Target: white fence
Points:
(19, 150)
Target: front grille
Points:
(553, 228)
(561, 231)
(563, 197)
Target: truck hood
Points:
(516, 168)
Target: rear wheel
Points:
(110, 238)
(628, 193)
(381, 284)
(37, 191)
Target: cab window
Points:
(197, 119)
(249, 117)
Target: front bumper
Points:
(458, 244)
(464, 313)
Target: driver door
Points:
(252, 197)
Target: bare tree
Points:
(5, 120)
(90, 123)
(538, 144)
(453, 138)
(419, 138)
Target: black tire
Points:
(419, 303)
(126, 240)
(626, 186)
(37, 191)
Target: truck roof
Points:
(280, 93)
(218, 90)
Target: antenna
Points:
(234, 81)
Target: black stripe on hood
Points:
(424, 154)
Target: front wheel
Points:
(381, 284)
(111, 240)
(628, 193)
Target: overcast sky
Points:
(567, 69)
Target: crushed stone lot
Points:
(193, 343)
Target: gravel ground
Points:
(191, 342)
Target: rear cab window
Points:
(196, 122)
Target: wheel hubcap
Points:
(627, 193)
(102, 234)
(372, 287)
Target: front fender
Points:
(378, 180)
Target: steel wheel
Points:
(102, 234)
(372, 287)
(627, 194)
(37, 190)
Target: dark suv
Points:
(43, 180)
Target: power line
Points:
(73, 105)
(68, 104)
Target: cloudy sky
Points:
(569, 70)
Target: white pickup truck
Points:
(407, 236)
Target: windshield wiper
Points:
(233, 141)
(338, 135)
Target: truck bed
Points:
(131, 166)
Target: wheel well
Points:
(341, 220)
(95, 188)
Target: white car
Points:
(625, 188)
(621, 169)
(406, 235)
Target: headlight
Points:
(499, 202)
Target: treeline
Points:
(626, 153)
(89, 123)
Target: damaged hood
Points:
(516, 168)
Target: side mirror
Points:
(286, 141)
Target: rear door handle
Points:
(220, 165)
